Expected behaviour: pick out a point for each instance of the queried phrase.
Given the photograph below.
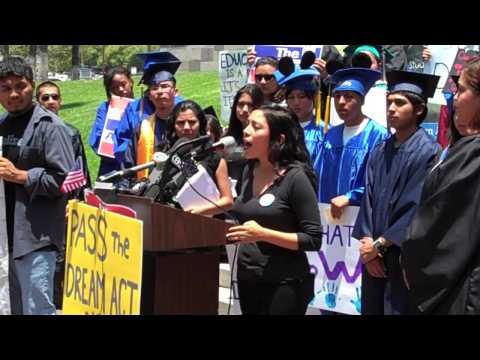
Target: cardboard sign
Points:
(233, 72)
(103, 263)
(337, 266)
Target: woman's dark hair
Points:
(453, 134)
(417, 101)
(110, 74)
(215, 127)
(182, 107)
(235, 127)
(471, 75)
(292, 152)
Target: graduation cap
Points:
(359, 80)
(421, 84)
(158, 66)
(298, 77)
(356, 53)
(210, 111)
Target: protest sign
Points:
(441, 62)
(4, 287)
(461, 59)
(294, 51)
(115, 111)
(337, 265)
(103, 264)
(415, 61)
(279, 51)
(431, 128)
(233, 72)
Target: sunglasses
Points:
(267, 77)
(45, 97)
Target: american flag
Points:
(75, 179)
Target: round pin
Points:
(267, 200)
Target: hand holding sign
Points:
(337, 205)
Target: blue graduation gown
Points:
(313, 141)
(129, 121)
(106, 164)
(393, 188)
(342, 168)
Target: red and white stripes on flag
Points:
(75, 179)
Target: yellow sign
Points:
(103, 265)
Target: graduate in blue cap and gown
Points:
(150, 134)
(346, 147)
(396, 172)
(302, 84)
(143, 108)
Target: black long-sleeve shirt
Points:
(294, 210)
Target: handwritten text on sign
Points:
(103, 267)
(337, 265)
(232, 67)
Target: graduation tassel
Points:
(327, 110)
(141, 102)
(318, 107)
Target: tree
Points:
(75, 61)
(38, 59)
(4, 52)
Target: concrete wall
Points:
(199, 57)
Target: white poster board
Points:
(4, 287)
(441, 62)
(233, 72)
(337, 265)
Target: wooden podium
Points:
(181, 255)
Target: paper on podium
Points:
(203, 183)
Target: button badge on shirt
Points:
(267, 200)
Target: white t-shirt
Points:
(351, 131)
(305, 123)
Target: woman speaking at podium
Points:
(280, 219)
(188, 121)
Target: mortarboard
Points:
(158, 66)
(210, 111)
(358, 59)
(359, 80)
(421, 84)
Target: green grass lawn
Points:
(82, 98)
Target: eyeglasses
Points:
(45, 97)
(267, 77)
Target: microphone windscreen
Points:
(228, 141)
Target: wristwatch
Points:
(378, 244)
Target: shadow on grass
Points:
(73, 105)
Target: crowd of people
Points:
(418, 202)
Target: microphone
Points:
(159, 158)
(226, 143)
(183, 142)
